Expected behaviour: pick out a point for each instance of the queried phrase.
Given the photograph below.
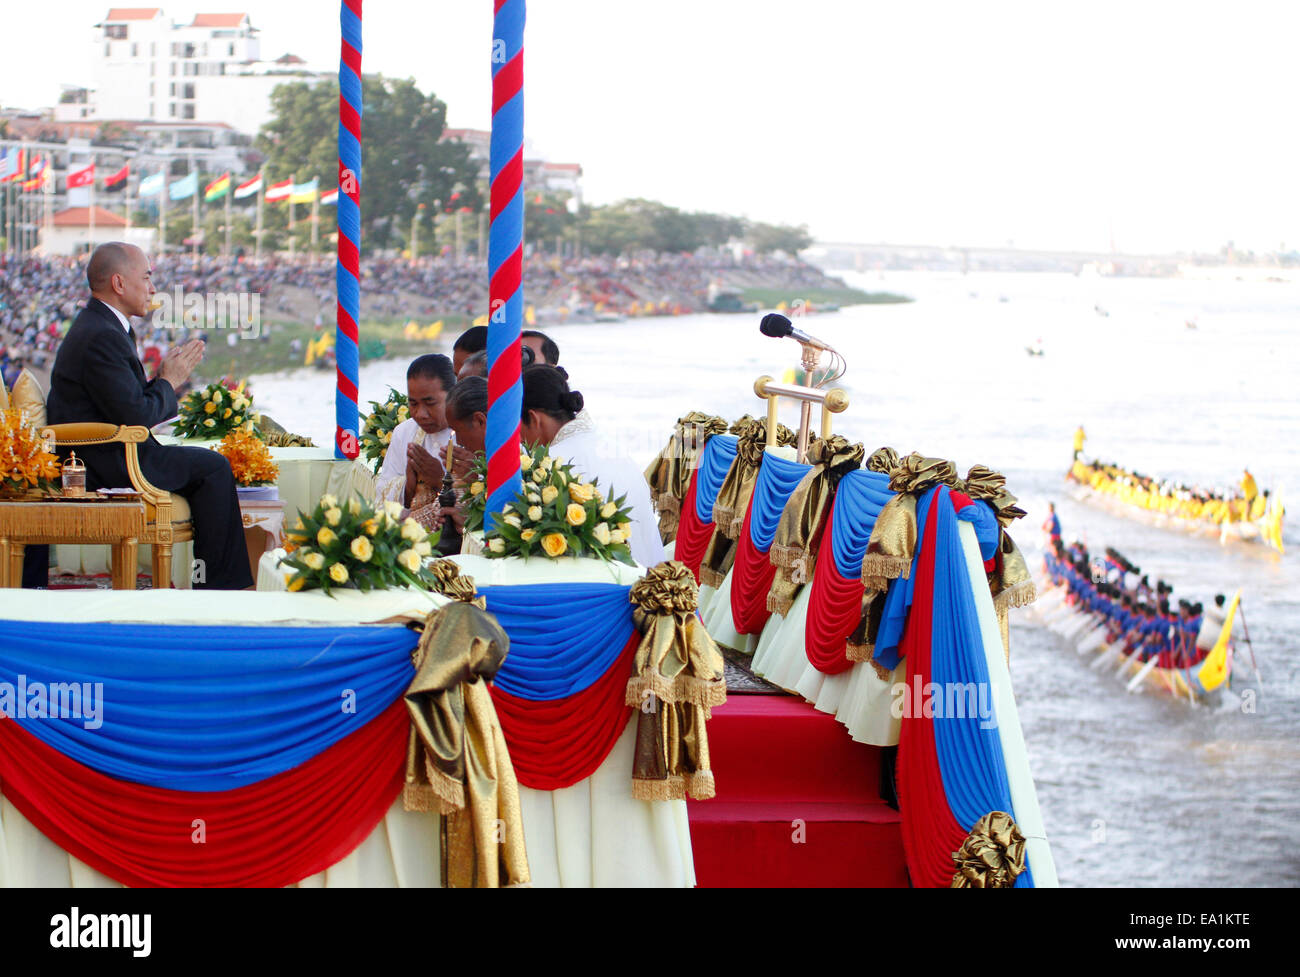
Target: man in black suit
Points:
(97, 376)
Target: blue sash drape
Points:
(965, 731)
(563, 636)
(859, 497)
(777, 480)
(199, 708)
(715, 462)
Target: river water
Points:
(1135, 790)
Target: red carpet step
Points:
(798, 802)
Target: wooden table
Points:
(116, 521)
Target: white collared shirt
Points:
(391, 482)
(126, 323)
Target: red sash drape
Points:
(271, 833)
(692, 535)
(834, 609)
(930, 832)
(751, 579)
(556, 744)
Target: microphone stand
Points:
(810, 359)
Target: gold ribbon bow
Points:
(450, 582)
(803, 519)
(883, 460)
(457, 762)
(992, 856)
(669, 474)
(733, 496)
(986, 485)
(679, 678)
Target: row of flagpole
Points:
(23, 171)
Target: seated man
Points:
(412, 469)
(97, 376)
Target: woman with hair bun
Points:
(554, 415)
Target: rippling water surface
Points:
(1135, 790)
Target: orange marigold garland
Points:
(249, 458)
(25, 461)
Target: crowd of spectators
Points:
(40, 296)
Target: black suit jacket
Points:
(97, 376)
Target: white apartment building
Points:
(147, 67)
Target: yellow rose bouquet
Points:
(377, 432)
(474, 497)
(353, 544)
(26, 463)
(215, 411)
(249, 458)
(559, 513)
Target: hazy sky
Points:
(1046, 124)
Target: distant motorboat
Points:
(1100, 311)
(1036, 348)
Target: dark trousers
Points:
(219, 547)
(36, 566)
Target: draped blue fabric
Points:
(898, 599)
(563, 636)
(776, 482)
(980, 515)
(715, 462)
(198, 708)
(965, 719)
(859, 497)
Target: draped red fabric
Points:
(692, 535)
(930, 832)
(556, 744)
(751, 579)
(271, 833)
(834, 609)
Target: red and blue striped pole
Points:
(505, 258)
(347, 274)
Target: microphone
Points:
(778, 327)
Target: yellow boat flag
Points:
(1214, 670)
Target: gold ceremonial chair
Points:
(167, 515)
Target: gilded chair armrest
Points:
(79, 433)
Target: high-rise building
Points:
(147, 67)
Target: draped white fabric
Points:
(594, 833)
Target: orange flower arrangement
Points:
(25, 462)
(249, 458)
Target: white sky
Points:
(1046, 124)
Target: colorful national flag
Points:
(8, 164)
(151, 184)
(83, 177)
(184, 188)
(279, 191)
(36, 174)
(113, 179)
(248, 188)
(303, 193)
(218, 188)
(329, 197)
(18, 168)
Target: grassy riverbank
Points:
(770, 297)
(275, 352)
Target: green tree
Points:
(402, 161)
(766, 238)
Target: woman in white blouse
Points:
(553, 415)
